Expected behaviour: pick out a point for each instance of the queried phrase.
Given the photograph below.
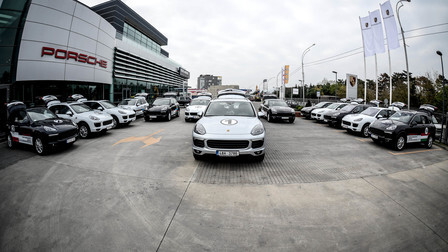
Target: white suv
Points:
(88, 121)
(360, 122)
(137, 104)
(119, 116)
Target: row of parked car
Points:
(392, 125)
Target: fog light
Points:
(258, 152)
(197, 151)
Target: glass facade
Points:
(126, 88)
(138, 37)
(11, 13)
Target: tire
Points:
(268, 117)
(40, 147)
(291, 119)
(168, 117)
(84, 130)
(429, 142)
(10, 142)
(258, 158)
(114, 122)
(365, 130)
(400, 142)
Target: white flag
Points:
(390, 25)
(377, 28)
(367, 36)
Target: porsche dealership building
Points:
(63, 47)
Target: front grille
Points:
(67, 134)
(257, 144)
(155, 113)
(376, 131)
(199, 143)
(355, 125)
(107, 122)
(346, 123)
(313, 114)
(327, 117)
(283, 114)
(125, 117)
(228, 144)
(97, 124)
(132, 116)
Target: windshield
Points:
(203, 102)
(278, 103)
(347, 108)
(334, 106)
(128, 102)
(38, 114)
(370, 111)
(230, 108)
(322, 105)
(401, 116)
(160, 102)
(80, 108)
(108, 104)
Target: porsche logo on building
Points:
(67, 55)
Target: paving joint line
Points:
(177, 208)
(415, 216)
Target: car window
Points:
(59, 109)
(108, 104)
(230, 108)
(402, 116)
(382, 113)
(200, 102)
(128, 102)
(80, 108)
(278, 103)
(370, 111)
(417, 119)
(347, 108)
(20, 117)
(159, 102)
(38, 114)
(357, 110)
(425, 120)
(333, 106)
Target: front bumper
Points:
(381, 136)
(283, 116)
(202, 145)
(63, 139)
(351, 126)
(98, 126)
(127, 118)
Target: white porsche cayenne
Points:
(229, 127)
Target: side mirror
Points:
(69, 113)
(100, 108)
(187, 105)
(379, 116)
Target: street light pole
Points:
(303, 72)
(336, 90)
(443, 103)
(405, 51)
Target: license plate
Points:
(153, 117)
(285, 118)
(374, 136)
(227, 153)
(196, 117)
(71, 140)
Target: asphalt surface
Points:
(138, 188)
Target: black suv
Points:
(336, 118)
(162, 108)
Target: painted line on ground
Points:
(413, 152)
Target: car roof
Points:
(203, 98)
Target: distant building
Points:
(206, 81)
(215, 89)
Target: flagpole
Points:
(390, 76)
(376, 78)
(365, 67)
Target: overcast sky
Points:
(246, 41)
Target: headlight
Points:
(336, 114)
(358, 119)
(94, 118)
(187, 109)
(122, 112)
(257, 130)
(74, 124)
(199, 129)
(50, 129)
(392, 127)
(274, 111)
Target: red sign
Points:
(67, 55)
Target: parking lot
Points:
(139, 188)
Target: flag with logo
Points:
(377, 30)
(351, 86)
(390, 25)
(367, 36)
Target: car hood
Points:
(129, 107)
(384, 123)
(229, 125)
(99, 114)
(308, 109)
(57, 123)
(352, 117)
(321, 110)
(196, 108)
(159, 108)
(282, 109)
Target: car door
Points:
(265, 107)
(382, 114)
(416, 130)
(21, 128)
(62, 111)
